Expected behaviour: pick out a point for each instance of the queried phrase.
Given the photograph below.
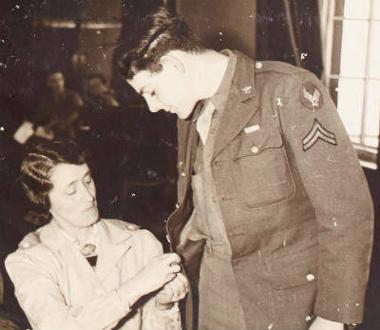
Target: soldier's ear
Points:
(173, 62)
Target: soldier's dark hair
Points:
(36, 169)
(154, 36)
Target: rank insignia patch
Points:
(318, 132)
(311, 96)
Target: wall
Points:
(222, 23)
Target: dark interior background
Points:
(134, 151)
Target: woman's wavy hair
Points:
(35, 174)
(151, 37)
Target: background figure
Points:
(271, 231)
(99, 96)
(59, 109)
(106, 132)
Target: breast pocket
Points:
(293, 269)
(261, 169)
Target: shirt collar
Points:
(221, 93)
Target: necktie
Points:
(204, 121)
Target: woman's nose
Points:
(87, 193)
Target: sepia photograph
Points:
(189, 165)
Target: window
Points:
(351, 42)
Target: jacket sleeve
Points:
(152, 316)
(40, 297)
(338, 191)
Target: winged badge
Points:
(313, 99)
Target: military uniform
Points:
(58, 289)
(294, 201)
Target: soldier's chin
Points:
(184, 114)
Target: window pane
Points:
(372, 141)
(373, 109)
(350, 104)
(355, 139)
(374, 60)
(357, 8)
(376, 9)
(354, 47)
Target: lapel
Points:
(74, 266)
(241, 103)
(187, 146)
(114, 243)
(188, 139)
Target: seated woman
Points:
(81, 272)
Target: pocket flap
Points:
(256, 142)
(295, 272)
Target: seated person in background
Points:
(100, 96)
(59, 109)
(80, 271)
(101, 107)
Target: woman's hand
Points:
(172, 292)
(157, 272)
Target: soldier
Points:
(274, 217)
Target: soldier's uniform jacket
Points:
(294, 199)
(59, 290)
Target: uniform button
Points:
(259, 65)
(25, 245)
(132, 226)
(247, 89)
(310, 277)
(254, 149)
(182, 174)
(308, 318)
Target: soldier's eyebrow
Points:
(143, 90)
(88, 173)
